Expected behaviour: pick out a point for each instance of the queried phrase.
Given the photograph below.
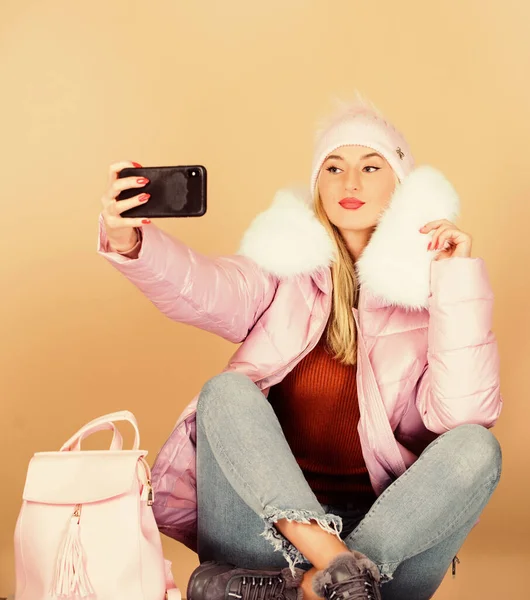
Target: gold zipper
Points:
(148, 483)
(77, 513)
(150, 494)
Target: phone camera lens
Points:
(193, 173)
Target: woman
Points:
(349, 433)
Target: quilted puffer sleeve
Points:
(461, 382)
(223, 295)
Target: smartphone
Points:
(175, 191)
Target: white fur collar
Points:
(288, 240)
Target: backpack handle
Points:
(103, 423)
(117, 439)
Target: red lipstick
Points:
(351, 203)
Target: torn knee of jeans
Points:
(387, 571)
(328, 522)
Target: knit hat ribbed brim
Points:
(360, 123)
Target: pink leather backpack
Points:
(86, 527)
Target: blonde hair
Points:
(341, 332)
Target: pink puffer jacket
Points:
(427, 358)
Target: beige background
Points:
(237, 86)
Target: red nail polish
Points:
(144, 197)
(429, 246)
(142, 180)
(146, 221)
(137, 165)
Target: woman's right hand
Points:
(121, 231)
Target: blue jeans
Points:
(248, 478)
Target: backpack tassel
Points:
(71, 579)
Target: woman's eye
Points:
(368, 167)
(333, 169)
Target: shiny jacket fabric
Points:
(427, 358)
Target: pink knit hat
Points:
(361, 124)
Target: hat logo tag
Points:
(400, 153)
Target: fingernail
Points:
(429, 246)
(142, 180)
(144, 197)
(137, 165)
(146, 221)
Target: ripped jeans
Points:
(248, 478)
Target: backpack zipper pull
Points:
(77, 513)
(148, 493)
(70, 577)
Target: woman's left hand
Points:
(448, 238)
